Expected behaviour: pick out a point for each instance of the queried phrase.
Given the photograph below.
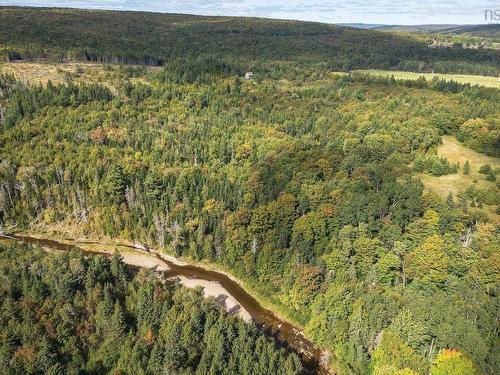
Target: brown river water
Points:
(286, 334)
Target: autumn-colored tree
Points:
(452, 362)
(421, 229)
(429, 262)
(305, 287)
(393, 354)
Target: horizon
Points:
(377, 13)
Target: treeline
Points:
(478, 133)
(24, 100)
(303, 189)
(442, 85)
(158, 39)
(37, 54)
(72, 314)
(438, 166)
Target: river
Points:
(285, 333)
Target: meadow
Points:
(486, 81)
(458, 183)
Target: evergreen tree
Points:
(466, 168)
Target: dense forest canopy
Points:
(156, 39)
(72, 314)
(304, 186)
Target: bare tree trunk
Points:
(160, 221)
(431, 348)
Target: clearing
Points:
(486, 81)
(457, 183)
(41, 72)
(57, 73)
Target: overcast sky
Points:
(333, 11)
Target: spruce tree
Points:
(466, 168)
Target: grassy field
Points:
(58, 73)
(41, 73)
(461, 78)
(457, 183)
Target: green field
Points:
(486, 81)
(457, 183)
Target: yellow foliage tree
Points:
(452, 362)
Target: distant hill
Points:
(415, 28)
(491, 31)
(154, 38)
(362, 25)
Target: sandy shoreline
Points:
(138, 255)
(210, 288)
(143, 261)
(149, 258)
(214, 289)
(109, 245)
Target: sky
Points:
(409, 12)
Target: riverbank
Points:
(207, 276)
(126, 249)
(142, 258)
(279, 312)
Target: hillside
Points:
(153, 39)
(415, 28)
(469, 36)
(491, 31)
(344, 201)
(305, 187)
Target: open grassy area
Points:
(457, 183)
(42, 72)
(486, 81)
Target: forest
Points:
(72, 314)
(158, 39)
(299, 182)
